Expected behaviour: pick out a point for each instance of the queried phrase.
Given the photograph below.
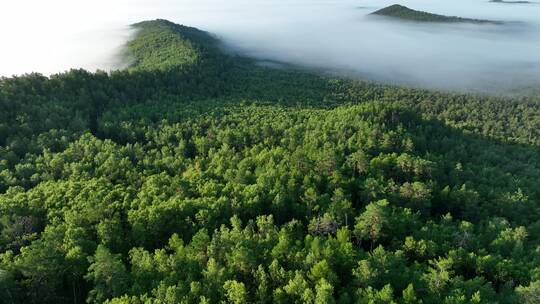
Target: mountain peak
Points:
(402, 12)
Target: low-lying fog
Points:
(332, 35)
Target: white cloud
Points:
(51, 36)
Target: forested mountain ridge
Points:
(179, 46)
(196, 176)
(405, 13)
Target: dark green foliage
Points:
(195, 177)
(177, 46)
(405, 13)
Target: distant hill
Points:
(510, 2)
(405, 13)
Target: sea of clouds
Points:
(337, 36)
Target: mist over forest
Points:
(332, 36)
(269, 151)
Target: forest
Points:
(199, 176)
(402, 12)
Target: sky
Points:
(50, 36)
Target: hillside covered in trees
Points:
(405, 13)
(200, 177)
